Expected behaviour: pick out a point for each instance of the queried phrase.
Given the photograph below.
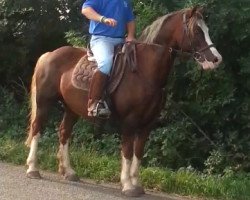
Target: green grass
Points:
(88, 164)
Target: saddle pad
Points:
(82, 73)
(84, 69)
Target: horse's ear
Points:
(201, 9)
(194, 10)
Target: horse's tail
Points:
(33, 100)
(33, 108)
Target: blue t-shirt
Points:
(120, 10)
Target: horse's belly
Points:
(141, 111)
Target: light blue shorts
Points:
(103, 50)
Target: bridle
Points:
(195, 54)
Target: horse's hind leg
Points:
(65, 132)
(42, 95)
(38, 117)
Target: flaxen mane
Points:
(193, 21)
(150, 33)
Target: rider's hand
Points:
(130, 39)
(108, 21)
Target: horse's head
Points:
(193, 37)
(184, 31)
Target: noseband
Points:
(195, 54)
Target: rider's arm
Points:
(91, 14)
(131, 31)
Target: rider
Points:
(110, 21)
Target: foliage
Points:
(11, 111)
(29, 28)
(76, 39)
(146, 12)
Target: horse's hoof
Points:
(34, 175)
(136, 192)
(72, 177)
(140, 189)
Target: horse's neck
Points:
(157, 74)
(167, 64)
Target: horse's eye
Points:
(206, 17)
(196, 31)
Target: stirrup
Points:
(101, 110)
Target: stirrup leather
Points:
(101, 109)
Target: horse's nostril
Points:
(216, 60)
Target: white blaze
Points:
(207, 64)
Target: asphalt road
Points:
(15, 186)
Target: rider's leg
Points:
(96, 90)
(103, 50)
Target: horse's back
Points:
(63, 57)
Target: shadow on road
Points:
(113, 190)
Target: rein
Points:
(195, 54)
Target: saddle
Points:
(125, 56)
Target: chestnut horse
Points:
(136, 102)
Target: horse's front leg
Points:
(128, 188)
(139, 144)
(65, 132)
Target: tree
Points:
(29, 28)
